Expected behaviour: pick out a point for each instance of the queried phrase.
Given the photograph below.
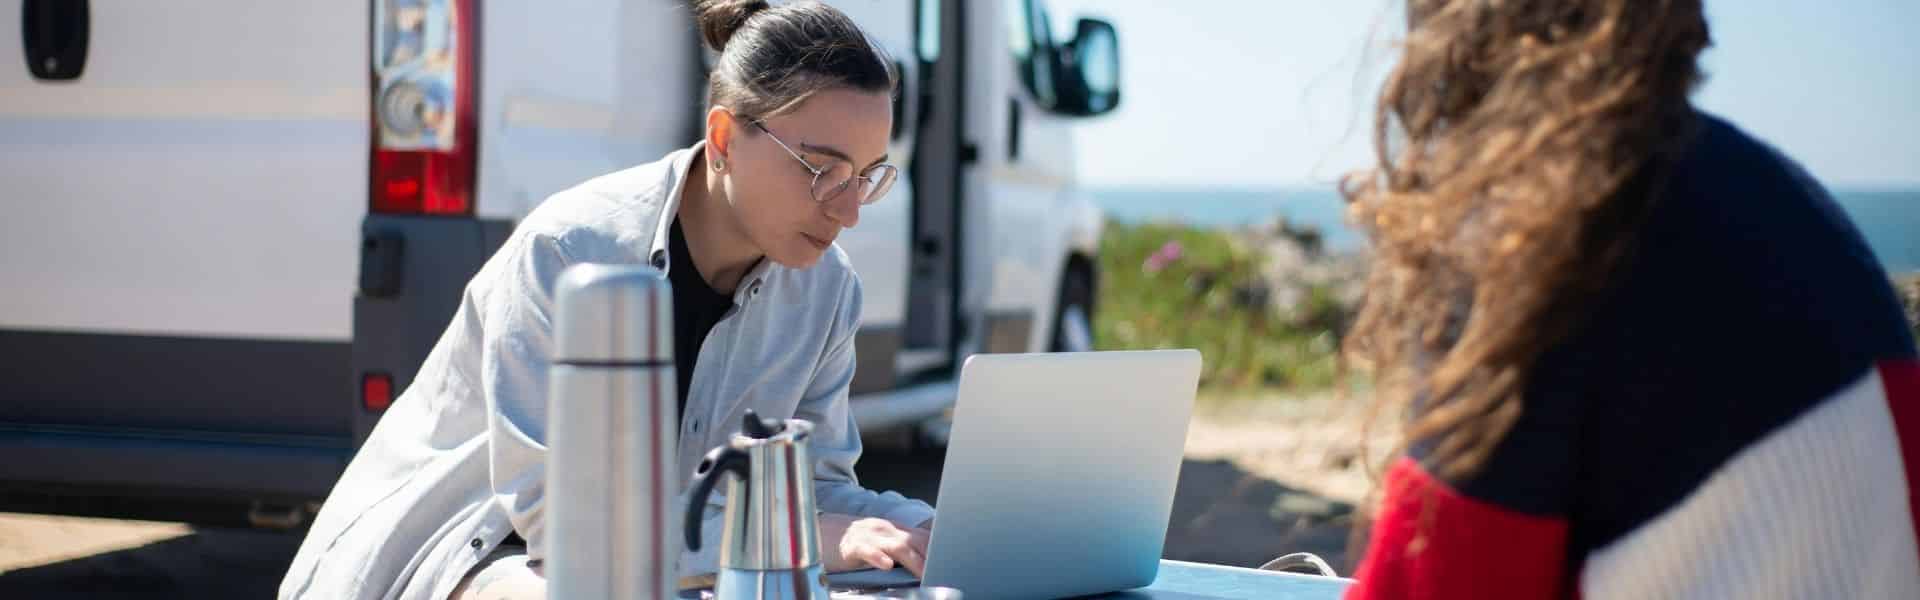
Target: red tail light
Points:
(376, 391)
(425, 126)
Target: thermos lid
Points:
(613, 315)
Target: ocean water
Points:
(1888, 218)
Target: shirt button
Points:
(755, 290)
(477, 543)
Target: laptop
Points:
(1059, 476)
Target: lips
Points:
(821, 244)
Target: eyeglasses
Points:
(837, 176)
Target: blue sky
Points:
(1279, 92)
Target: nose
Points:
(844, 208)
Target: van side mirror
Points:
(1089, 82)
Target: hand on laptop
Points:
(852, 543)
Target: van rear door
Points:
(185, 184)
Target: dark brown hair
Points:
(1515, 145)
(773, 58)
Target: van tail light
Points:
(425, 126)
(376, 392)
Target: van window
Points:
(929, 32)
(1030, 38)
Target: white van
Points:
(235, 227)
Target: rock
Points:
(1252, 296)
(1306, 237)
(1340, 457)
(1298, 273)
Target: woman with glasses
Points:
(446, 499)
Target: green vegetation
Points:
(1209, 289)
(1213, 297)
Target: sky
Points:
(1260, 93)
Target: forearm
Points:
(849, 498)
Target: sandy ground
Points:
(1261, 479)
(1313, 443)
(31, 540)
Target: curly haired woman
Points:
(1638, 353)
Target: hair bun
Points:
(719, 19)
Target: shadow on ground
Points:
(209, 563)
(1220, 515)
(1224, 515)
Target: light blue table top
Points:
(1196, 581)
(1178, 580)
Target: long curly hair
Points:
(1518, 146)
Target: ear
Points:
(719, 133)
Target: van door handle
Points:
(55, 34)
(1013, 129)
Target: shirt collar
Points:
(661, 258)
(657, 254)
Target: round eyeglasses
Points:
(836, 177)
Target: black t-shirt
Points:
(696, 308)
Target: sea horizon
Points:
(1887, 215)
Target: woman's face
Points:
(772, 192)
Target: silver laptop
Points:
(1059, 476)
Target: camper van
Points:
(236, 227)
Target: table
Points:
(1180, 580)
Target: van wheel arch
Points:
(1077, 301)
